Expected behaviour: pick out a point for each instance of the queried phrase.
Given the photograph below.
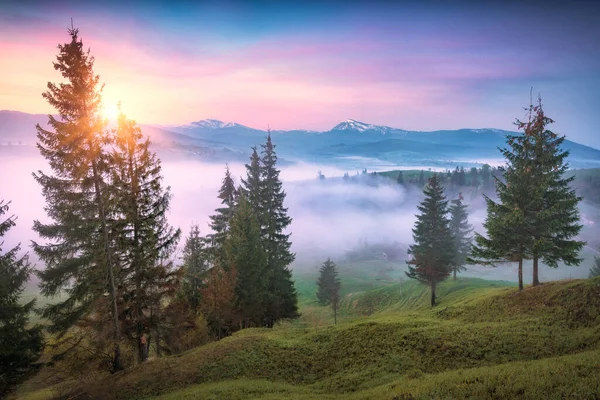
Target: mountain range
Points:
(349, 145)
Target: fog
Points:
(330, 216)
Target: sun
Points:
(110, 111)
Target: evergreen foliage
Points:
(595, 270)
(553, 212)
(433, 253)
(195, 265)
(20, 345)
(146, 240)
(80, 244)
(244, 251)
(460, 229)
(284, 299)
(220, 221)
(328, 286)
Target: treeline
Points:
(109, 251)
(535, 216)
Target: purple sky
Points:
(437, 65)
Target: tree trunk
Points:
(520, 274)
(433, 293)
(117, 364)
(335, 315)
(536, 280)
(454, 271)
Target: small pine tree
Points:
(595, 270)
(328, 286)
(400, 179)
(421, 181)
(433, 252)
(195, 265)
(460, 228)
(20, 345)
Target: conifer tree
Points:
(328, 286)
(146, 238)
(460, 229)
(277, 243)
(20, 345)
(79, 249)
(220, 221)
(486, 175)
(553, 212)
(400, 179)
(506, 224)
(433, 252)
(219, 300)
(595, 270)
(252, 186)
(195, 264)
(244, 251)
(421, 179)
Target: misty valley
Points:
(214, 260)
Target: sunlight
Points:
(110, 111)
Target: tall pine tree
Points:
(244, 252)
(553, 213)
(433, 252)
(595, 270)
(79, 249)
(20, 345)
(460, 229)
(146, 238)
(284, 302)
(507, 226)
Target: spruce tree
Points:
(20, 345)
(252, 186)
(328, 286)
(195, 265)
(506, 224)
(460, 229)
(79, 249)
(553, 213)
(595, 270)
(245, 253)
(400, 179)
(277, 243)
(421, 181)
(433, 252)
(220, 221)
(146, 238)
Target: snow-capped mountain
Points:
(353, 125)
(210, 124)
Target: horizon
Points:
(308, 66)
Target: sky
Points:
(309, 65)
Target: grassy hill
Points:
(484, 339)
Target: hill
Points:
(484, 340)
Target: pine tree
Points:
(219, 300)
(146, 238)
(595, 270)
(553, 211)
(20, 345)
(244, 251)
(433, 252)
(506, 224)
(277, 244)
(400, 179)
(460, 229)
(195, 264)
(252, 186)
(220, 221)
(485, 174)
(328, 286)
(79, 252)
(474, 177)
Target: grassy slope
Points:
(483, 339)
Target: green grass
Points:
(484, 339)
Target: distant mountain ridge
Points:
(349, 145)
